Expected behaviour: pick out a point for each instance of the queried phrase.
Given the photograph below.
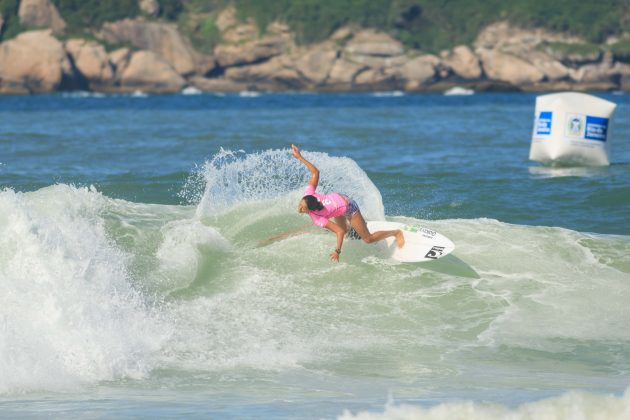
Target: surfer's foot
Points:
(400, 239)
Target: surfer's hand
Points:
(296, 152)
(334, 256)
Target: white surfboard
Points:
(421, 244)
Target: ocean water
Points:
(138, 278)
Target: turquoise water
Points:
(137, 280)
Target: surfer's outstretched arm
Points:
(339, 232)
(314, 171)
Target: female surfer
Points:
(321, 208)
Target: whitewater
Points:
(121, 305)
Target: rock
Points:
(440, 70)
(343, 72)
(376, 62)
(316, 63)
(603, 71)
(274, 73)
(120, 59)
(34, 61)
(249, 52)
(234, 32)
(463, 62)
(40, 14)
(278, 28)
(150, 7)
(226, 19)
(343, 34)
(512, 39)
(147, 71)
(218, 85)
(372, 54)
(572, 59)
(591, 73)
(161, 38)
(552, 69)
(526, 57)
(621, 73)
(524, 43)
(624, 83)
(417, 72)
(92, 61)
(429, 59)
(373, 43)
(205, 64)
(375, 79)
(509, 68)
(240, 34)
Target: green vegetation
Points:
(170, 9)
(109, 47)
(581, 49)
(314, 20)
(428, 25)
(202, 30)
(206, 6)
(621, 50)
(209, 30)
(9, 11)
(82, 14)
(197, 20)
(433, 25)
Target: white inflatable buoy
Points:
(573, 129)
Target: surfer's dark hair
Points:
(313, 203)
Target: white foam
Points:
(191, 90)
(83, 94)
(249, 94)
(391, 94)
(238, 328)
(185, 244)
(459, 91)
(68, 312)
(548, 283)
(570, 406)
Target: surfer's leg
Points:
(341, 221)
(358, 223)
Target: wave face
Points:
(99, 289)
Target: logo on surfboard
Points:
(435, 252)
(427, 233)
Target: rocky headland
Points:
(150, 55)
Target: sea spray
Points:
(232, 177)
(69, 313)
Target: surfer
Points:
(321, 208)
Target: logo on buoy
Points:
(575, 125)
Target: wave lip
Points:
(235, 177)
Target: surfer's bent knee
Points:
(368, 239)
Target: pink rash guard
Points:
(334, 206)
